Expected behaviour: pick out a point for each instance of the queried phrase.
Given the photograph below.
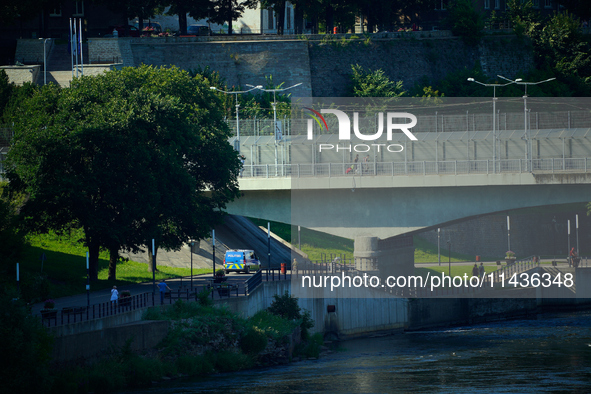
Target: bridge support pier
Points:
(392, 256)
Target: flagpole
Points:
(75, 50)
(71, 49)
(81, 52)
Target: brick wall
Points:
(239, 63)
(323, 66)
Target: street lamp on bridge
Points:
(494, 85)
(275, 126)
(236, 92)
(528, 146)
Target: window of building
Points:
(548, 3)
(288, 16)
(486, 4)
(536, 3)
(78, 8)
(497, 4)
(270, 24)
(56, 12)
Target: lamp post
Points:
(494, 85)
(449, 255)
(274, 111)
(528, 147)
(45, 60)
(508, 233)
(192, 243)
(438, 245)
(577, 229)
(236, 92)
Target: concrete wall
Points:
(531, 233)
(322, 65)
(412, 60)
(21, 74)
(352, 316)
(111, 50)
(239, 63)
(92, 344)
(424, 313)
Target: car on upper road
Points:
(198, 30)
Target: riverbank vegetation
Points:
(202, 340)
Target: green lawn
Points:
(319, 246)
(65, 265)
(457, 270)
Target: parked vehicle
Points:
(198, 30)
(241, 261)
(123, 31)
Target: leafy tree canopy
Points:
(366, 83)
(127, 156)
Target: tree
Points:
(127, 156)
(373, 84)
(278, 7)
(132, 8)
(465, 21)
(229, 10)
(197, 9)
(27, 344)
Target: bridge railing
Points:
(456, 167)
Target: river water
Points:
(547, 354)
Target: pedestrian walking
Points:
(114, 295)
(242, 161)
(163, 287)
(475, 270)
(481, 270)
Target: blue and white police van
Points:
(241, 261)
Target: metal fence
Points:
(489, 281)
(456, 167)
(432, 123)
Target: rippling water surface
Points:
(550, 354)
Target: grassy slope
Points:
(66, 265)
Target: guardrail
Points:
(456, 167)
(73, 314)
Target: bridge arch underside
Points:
(388, 212)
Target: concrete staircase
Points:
(59, 65)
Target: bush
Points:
(253, 341)
(26, 347)
(229, 361)
(367, 83)
(285, 306)
(204, 297)
(465, 21)
(194, 365)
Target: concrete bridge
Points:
(369, 193)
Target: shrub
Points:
(204, 297)
(194, 365)
(465, 21)
(253, 341)
(367, 83)
(229, 361)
